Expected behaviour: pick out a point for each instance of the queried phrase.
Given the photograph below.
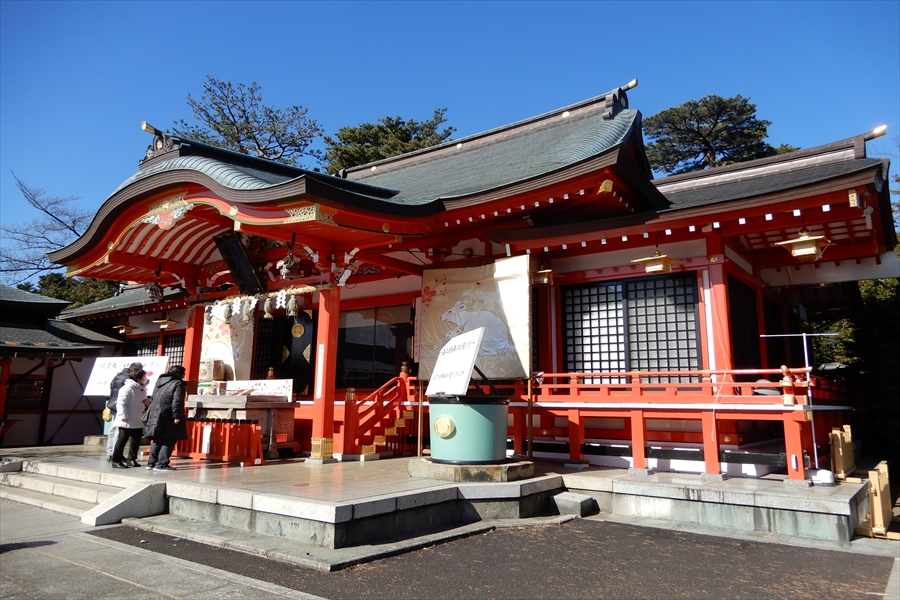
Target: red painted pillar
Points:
(638, 440)
(793, 445)
(710, 444)
(5, 366)
(193, 339)
(576, 434)
(718, 292)
(326, 367)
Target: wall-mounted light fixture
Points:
(658, 263)
(806, 247)
(166, 322)
(124, 328)
(543, 276)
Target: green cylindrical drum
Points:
(468, 430)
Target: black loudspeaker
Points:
(235, 256)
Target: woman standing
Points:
(165, 423)
(129, 406)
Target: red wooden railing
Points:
(363, 418)
(229, 440)
(717, 398)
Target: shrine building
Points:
(658, 315)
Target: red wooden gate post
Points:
(576, 434)
(793, 445)
(638, 440)
(326, 369)
(710, 444)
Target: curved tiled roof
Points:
(236, 177)
(766, 184)
(483, 164)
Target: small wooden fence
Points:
(228, 440)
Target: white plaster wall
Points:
(623, 258)
(829, 272)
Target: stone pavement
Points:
(46, 555)
(50, 556)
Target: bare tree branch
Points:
(61, 221)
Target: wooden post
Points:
(793, 446)
(710, 444)
(193, 340)
(638, 440)
(576, 434)
(718, 291)
(326, 369)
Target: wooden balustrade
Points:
(228, 440)
(713, 397)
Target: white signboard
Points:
(262, 387)
(453, 369)
(107, 367)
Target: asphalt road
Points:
(579, 559)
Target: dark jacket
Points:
(114, 386)
(167, 404)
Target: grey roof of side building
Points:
(770, 183)
(13, 296)
(77, 333)
(134, 296)
(26, 340)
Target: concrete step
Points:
(67, 506)
(83, 491)
(116, 478)
(317, 557)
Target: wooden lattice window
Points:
(648, 324)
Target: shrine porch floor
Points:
(329, 516)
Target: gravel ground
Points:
(578, 559)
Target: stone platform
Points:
(353, 504)
(511, 470)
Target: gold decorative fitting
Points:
(322, 448)
(167, 204)
(385, 227)
(310, 213)
(233, 211)
(605, 187)
(444, 426)
(298, 330)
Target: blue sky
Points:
(77, 78)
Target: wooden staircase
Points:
(380, 422)
(391, 436)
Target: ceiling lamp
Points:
(165, 322)
(806, 247)
(543, 276)
(658, 263)
(124, 328)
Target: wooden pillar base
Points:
(322, 449)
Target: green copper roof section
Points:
(477, 164)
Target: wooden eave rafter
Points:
(768, 220)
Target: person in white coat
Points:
(130, 405)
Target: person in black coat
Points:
(165, 423)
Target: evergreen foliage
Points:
(391, 136)
(233, 116)
(77, 290)
(710, 132)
